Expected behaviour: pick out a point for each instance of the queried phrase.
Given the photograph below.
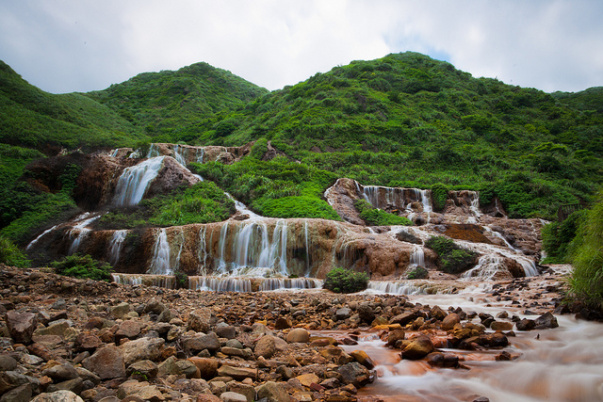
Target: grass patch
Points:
(83, 266)
(377, 217)
(340, 280)
(452, 258)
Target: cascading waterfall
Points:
(79, 232)
(271, 284)
(199, 154)
(116, 244)
(134, 181)
(474, 207)
(222, 245)
(417, 258)
(203, 254)
(160, 264)
(213, 284)
(307, 247)
(37, 239)
(179, 155)
(396, 288)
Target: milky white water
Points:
(560, 364)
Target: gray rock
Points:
(233, 397)
(273, 392)
(59, 396)
(226, 331)
(7, 363)
(19, 394)
(342, 314)
(120, 310)
(199, 343)
(12, 379)
(547, 320)
(61, 372)
(142, 349)
(366, 313)
(356, 374)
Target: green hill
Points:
(33, 118)
(178, 105)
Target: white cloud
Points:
(85, 45)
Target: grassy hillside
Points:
(30, 117)
(173, 106)
(409, 120)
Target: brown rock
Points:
(450, 321)
(363, 358)
(298, 335)
(107, 363)
(418, 348)
(265, 347)
(208, 368)
(21, 326)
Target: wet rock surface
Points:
(70, 339)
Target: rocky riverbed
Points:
(64, 339)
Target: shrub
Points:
(586, 281)
(11, 255)
(340, 280)
(439, 195)
(181, 280)
(452, 258)
(83, 266)
(418, 273)
(556, 237)
(377, 217)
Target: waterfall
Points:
(203, 254)
(271, 284)
(220, 284)
(426, 201)
(397, 288)
(474, 207)
(160, 264)
(488, 266)
(135, 180)
(199, 154)
(179, 155)
(44, 233)
(153, 151)
(115, 245)
(80, 231)
(222, 245)
(417, 258)
(307, 247)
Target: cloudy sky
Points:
(83, 45)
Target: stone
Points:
(405, 318)
(450, 321)
(546, 320)
(233, 397)
(525, 324)
(394, 336)
(107, 363)
(200, 320)
(227, 331)
(13, 379)
(265, 347)
(58, 396)
(142, 349)
(308, 379)
(418, 348)
(282, 323)
(89, 342)
(208, 368)
(201, 342)
(19, 394)
(143, 368)
(444, 360)
(342, 314)
(7, 363)
(273, 392)
(120, 310)
(243, 389)
(177, 367)
(298, 335)
(21, 326)
(150, 393)
(363, 358)
(129, 329)
(366, 313)
(59, 329)
(501, 326)
(355, 373)
(61, 372)
(154, 306)
(208, 398)
(238, 373)
(75, 385)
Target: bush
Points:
(557, 236)
(340, 280)
(452, 258)
(377, 217)
(587, 257)
(11, 255)
(181, 280)
(83, 266)
(418, 273)
(439, 195)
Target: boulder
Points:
(200, 320)
(208, 368)
(298, 335)
(547, 320)
(201, 342)
(525, 324)
(142, 349)
(107, 363)
(238, 373)
(58, 396)
(450, 321)
(406, 317)
(21, 326)
(265, 347)
(342, 314)
(418, 348)
(355, 373)
(363, 358)
(272, 392)
(395, 336)
(366, 313)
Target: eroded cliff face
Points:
(251, 245)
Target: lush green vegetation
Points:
(11, 255)
(83, 266)
(172, 106)
(341, 280)
(278, 188)
(418, 273)
(202, 203)
(33, 118)
(452, 258)
(558, 236)
(587, 257)
(376, 217)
